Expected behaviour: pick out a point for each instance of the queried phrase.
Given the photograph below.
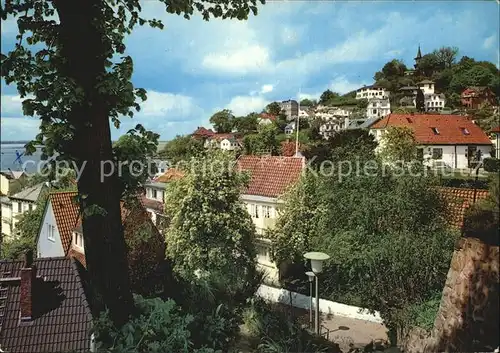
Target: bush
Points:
(159, 327)
(277, 332)
(491, 165)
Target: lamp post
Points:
(310, 275)
(317, 259)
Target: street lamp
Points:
(317, 259)
(310, 275)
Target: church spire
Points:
(419, 54)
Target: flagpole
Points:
(297, 128)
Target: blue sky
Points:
(194, 68)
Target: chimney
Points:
(28, 277)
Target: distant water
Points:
(9, 158)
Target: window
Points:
(435, 130)
(19, 210)
(465, 131)
(155, 194)
(30, 207)
(266, 211)
(430, 85)
(75, 238)
(50, 232)
(256, 211)
(80, 240)
(437, 153)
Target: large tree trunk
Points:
(83, 46)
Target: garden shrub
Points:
(491, 165)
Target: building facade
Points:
(477, 97)
(372, 92)
(450, 141)
(290, 108)
(270, 178)
(378, 108)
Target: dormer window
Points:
(465, 131)
(435, 130)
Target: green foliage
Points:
(451, 77)
(223, 121)
(486, 117)
(265, 141)
(134, 151)
(273, 108)
(327, 96)
(345, 144)
(211, 232)
(420, 101)
(159, 327)
(389, 244)
(482, 219)
(247, 124)
(70, 58)
(276, 332)
(424, 314)
(308, 102)
(182, 148)
(398, 144)
(491, 165)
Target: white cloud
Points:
(342, 85)
(266, 89)
(239, 61)
(490, 42)
(243, 105)
(168, 105)
(290, 35)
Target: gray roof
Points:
(408, 88)
(29, 194)
(368, 122)
(5, 200)
(425, 81)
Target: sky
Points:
(290, 50)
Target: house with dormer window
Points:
(453, 141)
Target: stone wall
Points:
(468, 316)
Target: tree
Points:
(223, 121)
(446, 56)
(211, 233)
(273, 108)
(308, 102)
(420, 101)
(264, 141)
(414, 248)
(327, 96)
(428, 65)
(362, 103)
(182, 148)
(82, 52)
(135, 151)
(398, 145)
(247, 124)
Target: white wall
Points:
(449, 153)
(280, 295)
(46, 247)
(6, 218)
(159, 194)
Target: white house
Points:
(60, 233)
(452, 140)
(495, 140)
(226, 142)
(154, 198)
(378, 108)
(372, 92)
(330, 127)
(11, 181)
(270, 178)
(265, 119)
(23, 201)
(433, 101)
(290, 128)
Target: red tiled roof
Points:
(66, 212)
(169, 175)
(268, 116)
(201, 131)
(496, 129)
(450, 128)
(458, 200)
(221, 136)
(152, 204)
(64, 319)
(271, 176)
